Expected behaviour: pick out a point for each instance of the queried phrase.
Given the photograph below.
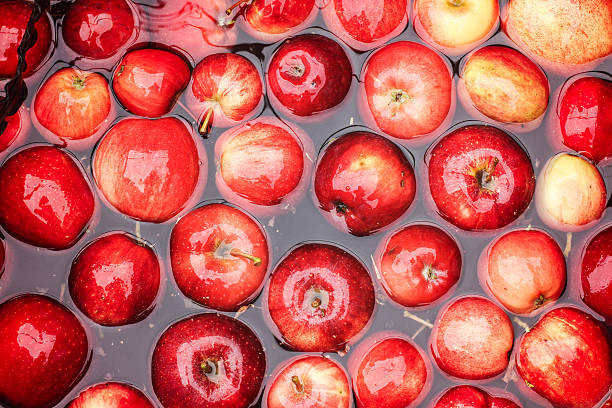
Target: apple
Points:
(15, 131)
(363, 182)
(45, 198)
(565, 358)
(407, 91)
(308, 74)
(524, 270)
(608, 403)
(480, 178)
(208, 360)
(418, 264)
(467, 396)
(2, 256)
(111, 395)
(14, 17)
(571, 194)
(44, 351)
(365, 25)
(472, 339)
(319, 298)
(595, 276)
(219, 256)
(309, 381)
(148, 81)
(114, 280)
(455, 26)
(148, 169)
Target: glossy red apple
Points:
(524, 270)
(16, 129)
(566, 358)
(467, 396)
(219, 256)
(418, 264)
(44, 351)
(148, 169)
(309, 381)
(595, 273)
(114, 280)
(208, 360)
(45, 198)
(407, 90)
(14, 17)
(148, 81)
(308, 74)
(363, 182)
(365, 25)
(111, 395)
(472, 339)
(480, 178)
(2, 256)
(319, 298)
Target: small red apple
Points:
(319, 298)
(309, 381)
(418, 264)
(480, 178)
(467, 396)
(208, 360)
(16, 130)
(596, 273)
(2, 256)
(219, 256)
(44, 351)
(111, 395)
(148, 169)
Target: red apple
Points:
(149, 169)
(363, 182)
(208, 360)
(44, 351)
(566, 358)
(319, 298)
(407, 91)
(45, 198)
(418, 264)
(309, 381)
(480, 178)
(608, 403)
(2, 256)
(524, 270)
(472, 339)
(467, 396)
(148, 82)
(16, 130)
(14, 17)
(365, 25)
(219, 256)
(114, 280)
(308, 74)
(595, 273)
(111, 395)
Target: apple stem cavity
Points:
(78, 83)
(299, 386)
(207, 123)
(485, 175)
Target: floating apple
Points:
(2, 256)
(16, 130)
(111, 395)
(595, 276)
(467, 396)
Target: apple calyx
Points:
(213, 369)
(316, 301)
(296, 70)
(398, 96)
(340, 207)
(207, 122)
(484, 174)
(223, 250)
(78, 83)
(455, 3)
(539, 302)
(429, 273)
(298, 385)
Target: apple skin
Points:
(407, 91)
(467, 396)
(330, 301)
(16, 130)
(48, 344)
(208, 360)
(149, 169)
(566, 358)
(148, 81)
(271, 20)
(111, 395)
(480, 178)
(472, 339)
(203, 265)
(309, 381)
(45, 198)
(363, 182)
(595, 276)
(524, 270)
(419, 264)
(14, 16)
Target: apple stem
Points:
(237, 4)
(207, 123)
(238, 252)
(299, 387)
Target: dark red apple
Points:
(407, 91)
(467, 396)
(596, 273)
(319, 298)
(608, 403)
(472, 339)
(566, 358)
(16, 130)
(308, 74)
(14, 17)
(2, 256)
(480, 178)
(418, 264)
(45, 198)
(219, 256)
(111, 395)
(44, 351)
(309, 381)
(149, 169)
(148, 81)
(208, 360)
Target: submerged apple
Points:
(111, 395)
(595, 276)
(467, 396)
